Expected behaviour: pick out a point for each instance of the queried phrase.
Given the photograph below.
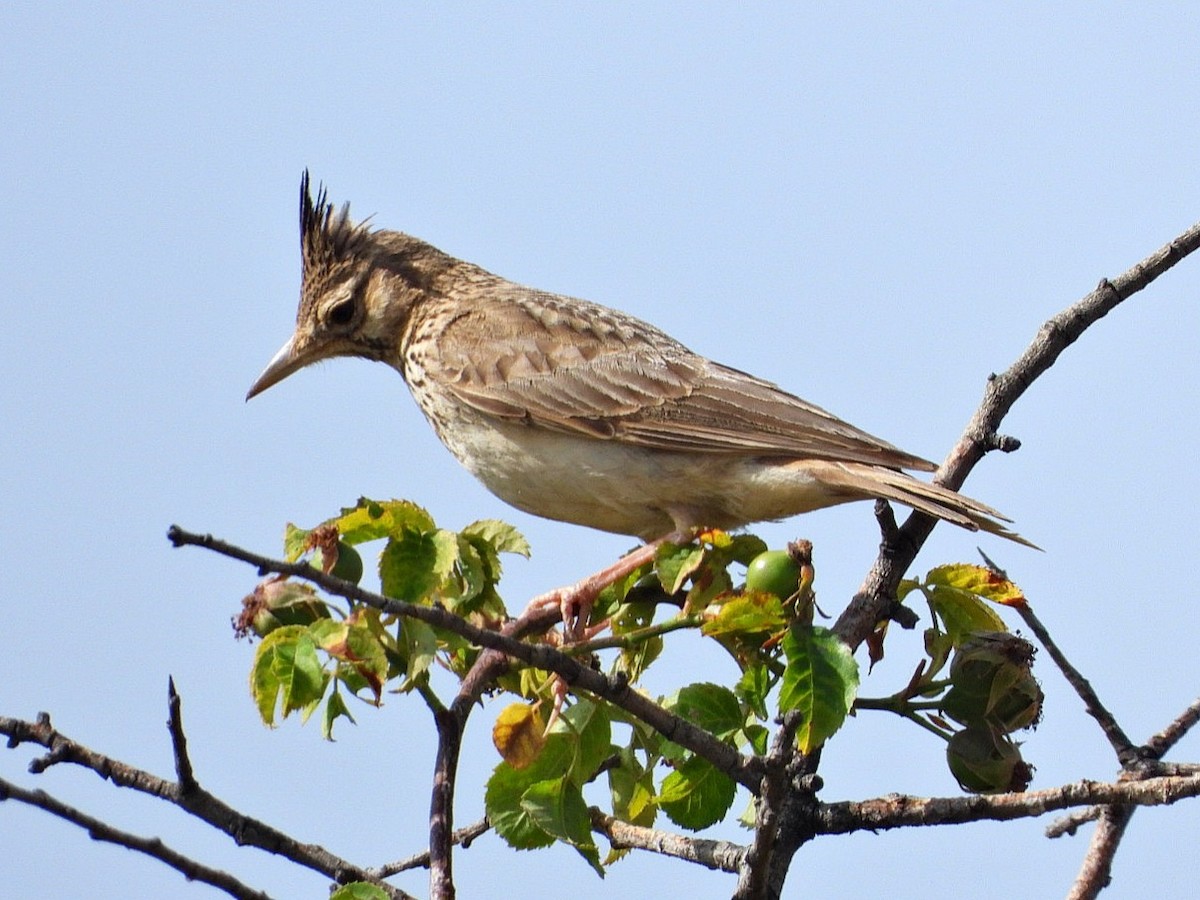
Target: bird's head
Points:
(358, 291)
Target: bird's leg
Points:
(575, 600)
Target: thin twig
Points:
(1162, 742)
(1069, 824)
(183, 764)
(153, 847)
(461, 838)
(1127, 754)
(245, 830)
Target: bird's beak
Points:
(282, 364)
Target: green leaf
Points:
(558, 808)
(631, 786)
(612, 597)
(821, 680)
(752, 689)
(744, 547)
(634, 660)
(415, 564)
(906, 587)
(710, 706)
(499, 535)
(335, 708)
(757, 737)
(506, 786)
(675, 564)
(471, 574)
(359, 890)
(586, 725)
(696, 795)
(357, 646)
(295, 542)
(420, 645)
(286, 672)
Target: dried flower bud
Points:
(992, 682)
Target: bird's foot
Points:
(575, 601)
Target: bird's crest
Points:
(327, 237)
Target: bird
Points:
(578, 412)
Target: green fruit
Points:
(277, 603)
(774, 572)
(984, 761)
(349, 565)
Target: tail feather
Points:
(866, 481)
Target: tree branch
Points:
(1160, 743)
(899, 811)
(153, 847)
(723, 856)
(245, 830)
(1127, 753)
(462, 838)
(871, 602)
(747, 771)
(777, 789)
(1096, 871)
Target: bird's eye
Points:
(341, 312)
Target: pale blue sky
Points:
(873, 205)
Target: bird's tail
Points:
(866, 481)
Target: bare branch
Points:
(723, 856)
(871, 601)
(1158, 745)
(441, 805)
(776, 791)
(1127, 754)
(1096, 871)
(898, 811)
(183, 764)
(153, 847)
(462, 838)
(245, 830)
(1071, 823)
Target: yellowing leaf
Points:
(369, 520)
(978, 580)
(519, 734)
(962, 612)
(502, 536)
(415, 564)
(753, 612)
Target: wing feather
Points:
(578, 367)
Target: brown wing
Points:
(579, 367)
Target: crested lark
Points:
(573, 411)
